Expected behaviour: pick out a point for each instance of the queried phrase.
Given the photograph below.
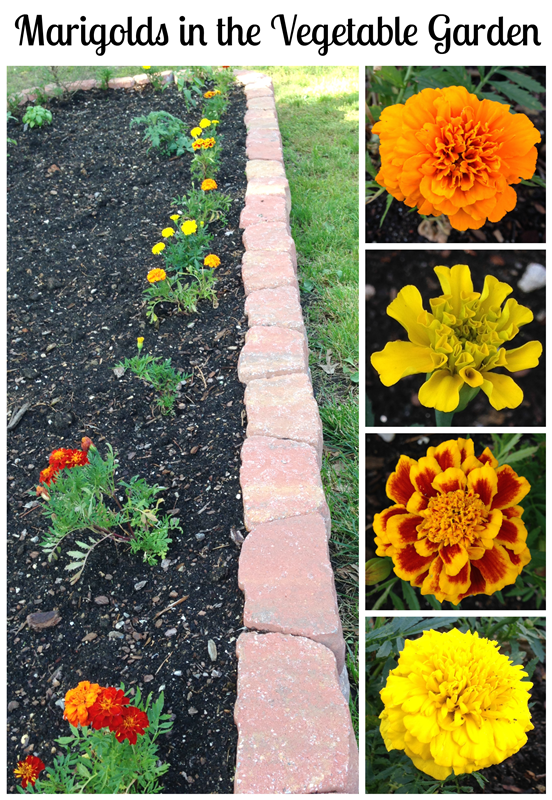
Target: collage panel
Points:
(451, 142)
(455, 704)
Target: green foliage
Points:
(156, 79)
(159, 374)
(393, 772)
(37, 116)
(88, 498)
(183, 251)
(10, 116)
(105, 75)
(203, 206)
(165, 133)
(96, 763)
(185, 291)
(214, 107)
(224, 79)
(191, 83)
(206, 162)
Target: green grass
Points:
(20, 78)
(318, 116)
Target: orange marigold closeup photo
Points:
(156, 274)
(78, 701)
(29, 770)
(455, 528)
(444, 151)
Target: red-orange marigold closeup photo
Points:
(133, 724)
(455, 529)
(445, 151)
(78, 701)
(29, 770)
(107, 710)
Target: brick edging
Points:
(294, 728)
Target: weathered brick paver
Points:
(294, 730)
(284, 407)
(280, 478)
(268, 187)
(264, 208)
(267, 270)
(270, 236)
(275, 307)
(287, 578)
(271, 351)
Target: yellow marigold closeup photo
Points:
(446, 152)
(208, 185)
(155, 275)
(460, 343)
(455, 529)
(454, 703)
(189, 227)
(157, 248)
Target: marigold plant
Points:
(454, 703)
(460, 343)
(445, 151)
(455, 528)
(28, 770)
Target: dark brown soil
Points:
(86, 203)
(381, 460)
(387, 272)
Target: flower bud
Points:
(377, 569)
(140, 343)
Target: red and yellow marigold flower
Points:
(108, 708)
(198, 144)
(460, 343)
(155, 275)
(445, 151)
(207, 143)
(454, 703)
(212, 261)
(133, 723)
(211, 94)
(189, 227)
(63, 458)
(455, 529)
(78, 701)
(208, 185)
(29, 770)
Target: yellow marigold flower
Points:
(455, 529)
(195, 132)
(78, 701)
(166, 232)
(208, 143)
(208, 95)
(204, 123)
(146, 67)
(460, 342)
(198, 144)
(211, 261)
(156, 249)
(155, 275)
(174, 217)
(445, 151)
(188, 227)
(214, 122)
(140, 343)
(455, 703)
(208, 184)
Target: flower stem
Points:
(443, 419)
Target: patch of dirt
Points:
(388, 272)
(86, 203)
(381, 460)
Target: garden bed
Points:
(86, 203)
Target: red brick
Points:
(121, 83)
(294, 729)
(265, 270)
(84, 86)
(141, 80)
(261, 104)
(270, 151)
(271, 208)
(269, 352)
(262, 124)
(263, 137)
(276, 186)
(284, 407)
(258, 91)
(264, 170)
(280, 478)
(287, 578)
(270, 236)
(280, 307)
(257, 114)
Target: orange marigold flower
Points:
(108, 708)
(455, 529)
(445, 151)
(211, 261)
(208, 95)
(63, 459)
(86, 444)
(155, 275)
(29, 770)
(208, 184)
(47, 475)
(78, 701)
(133, 723)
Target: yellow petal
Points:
(441, 391)
(493, 295)
(406, 308)
(502, 391)
(471, 376)
(455, 281)
(398, 359)
(524, 357)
